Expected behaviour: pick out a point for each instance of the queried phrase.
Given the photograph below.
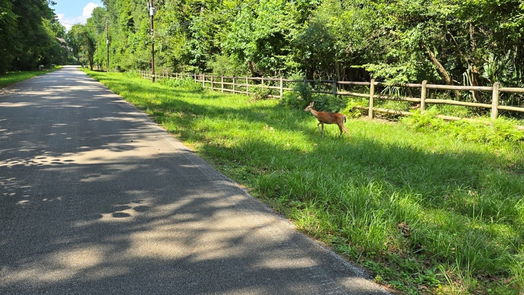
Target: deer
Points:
(327, 118)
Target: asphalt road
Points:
(96, 199)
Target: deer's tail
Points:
(344, 119)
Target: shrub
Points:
(260, 92)
(351, 111)
(300, 96)
(304, 90)
(329, 103)
(293, 99)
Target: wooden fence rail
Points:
(277, 86)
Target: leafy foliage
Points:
(30, 36)
(260, 92)
(443, 41)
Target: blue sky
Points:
(72, 12)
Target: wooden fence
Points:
(277, 86)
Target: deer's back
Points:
(330, 118)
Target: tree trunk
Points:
(474, 73)
(440, 68)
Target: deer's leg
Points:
(342, 128)
(322, 128)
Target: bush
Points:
(350, 110)
(260, 92)
(300, 96)
(185, 83)
(293, 99)
(304, 90)
(329, 103)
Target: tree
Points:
(469, 42)
(82, 42)
(29, 33)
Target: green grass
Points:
(426, 212)
(13, 77)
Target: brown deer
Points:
(328, 118)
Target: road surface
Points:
(96, 199)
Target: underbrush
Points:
(483, 130)
(429, 212)
(186, 83)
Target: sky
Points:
(72, 12)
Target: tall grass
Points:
(426, 212)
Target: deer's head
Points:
(309, 107)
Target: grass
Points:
(13, 77)
(426, 212)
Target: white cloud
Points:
(88, 10)
(68, 22)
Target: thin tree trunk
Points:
(474, 73)
(440, 68)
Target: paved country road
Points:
(96, 199)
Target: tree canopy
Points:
(468, 42)
(30, 35)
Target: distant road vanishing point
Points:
(97, 199)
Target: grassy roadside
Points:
(13, 77)
(426, 212)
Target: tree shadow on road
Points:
(88, 206)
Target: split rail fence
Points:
(277, 86)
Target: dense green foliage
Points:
(426, 211)
(30, 35)
(468, 42)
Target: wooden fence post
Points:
(495, 101)
(234, 80)
(247, 86)
(281, 87)
(203, 76)
(423, 95)
(334, 85)
(222, 83)
(212, 82)
(371, 98)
